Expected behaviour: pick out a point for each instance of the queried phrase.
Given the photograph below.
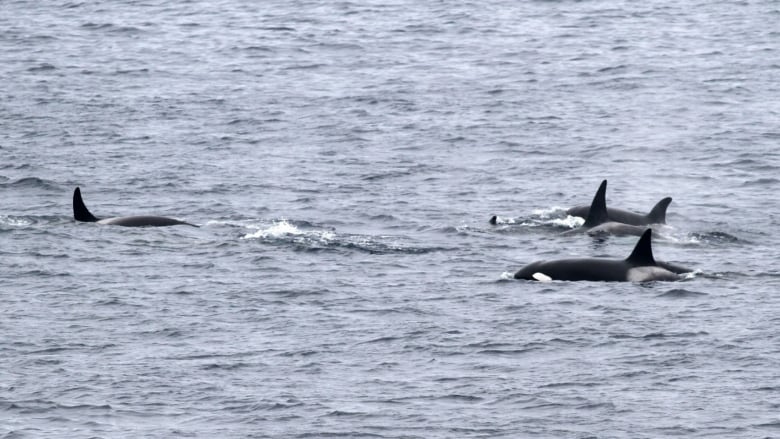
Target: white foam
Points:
(514, 222)
(15, 221)
(277, 230)
(691, 275)
(571, 222)
(223, 223)
(283, 228)
(500, 220)
(549, 212)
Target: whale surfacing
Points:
(598, 221)
(657, 214)
(639, 266)
(82, 214)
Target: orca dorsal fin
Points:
(643, 251)
(657, 214)
(598, 208)
(80, 211)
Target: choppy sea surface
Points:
(342, 160)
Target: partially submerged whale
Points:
(639, 266)
(657, 214)
(598, 222)
(81, 213)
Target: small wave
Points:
(506, 352)
(297, 234)
(772, 425)
(385, 339)
(126, 29)
(165, 332)
(96, 26)
(713, 238)
(44, 67)
(459, 398)
(762, 182)
(31, 182)
(219, 366)
(680, 293)
(279, 28)
(141, 71)
(664, 335)
(46, 406)
(312, 66)
(110, 27)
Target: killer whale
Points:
(657, 214)
(81, 213)
(639, 266)
(598, 222)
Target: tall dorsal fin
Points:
(598, 208)
(643, 251)
(657, 214)
(80, 211)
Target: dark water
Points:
(343, 160)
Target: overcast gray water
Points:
(342, 160)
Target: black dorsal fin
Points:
(657, 214)
(80, 211)
(598, 208)
(643, 251)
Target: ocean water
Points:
(342, 160)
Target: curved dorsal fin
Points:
(643, 251)
(598, 208)
(657, 214)
(80, 211)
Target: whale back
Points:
(81, 213)
(144, 221)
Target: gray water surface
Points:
(343, 160)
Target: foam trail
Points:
(571, 222)
(283, 228)
(554, 211)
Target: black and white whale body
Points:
(81, 213)
(598, 221)
(640, 266)
(657, 214)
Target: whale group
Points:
(598, 219)
(639, 266)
